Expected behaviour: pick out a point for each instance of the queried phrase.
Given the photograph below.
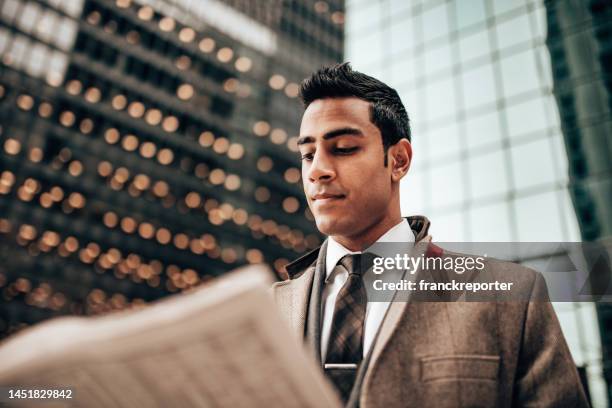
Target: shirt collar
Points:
(401, 232)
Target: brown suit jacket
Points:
(450, 354)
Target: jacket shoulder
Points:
(512, 272)
(525, 281)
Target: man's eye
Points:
(345, 150)
(306, 157)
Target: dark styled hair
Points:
(387, 111)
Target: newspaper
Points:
(223, 345)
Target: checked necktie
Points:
(345, 349)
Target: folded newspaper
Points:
(222, 345)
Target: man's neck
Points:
(366, 238)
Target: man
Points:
(355, 148)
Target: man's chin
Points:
(329, 225)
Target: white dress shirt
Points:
(335, 277)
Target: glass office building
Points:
(580, 44)
(490, 161)
(149, 145)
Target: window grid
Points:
(471, 209)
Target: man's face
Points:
(346, 183)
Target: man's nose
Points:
(321, 168)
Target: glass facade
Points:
(490, 163)
(579, 41)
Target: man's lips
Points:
(327, 197)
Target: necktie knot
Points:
(357, 264)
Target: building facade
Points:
(490, 161)
(581, 48)
(147, 146)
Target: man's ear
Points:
(400, 155)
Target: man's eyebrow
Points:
(331, 134)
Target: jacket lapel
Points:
(396, 309)
(313, 328)
(390, 323)
(291, 297)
